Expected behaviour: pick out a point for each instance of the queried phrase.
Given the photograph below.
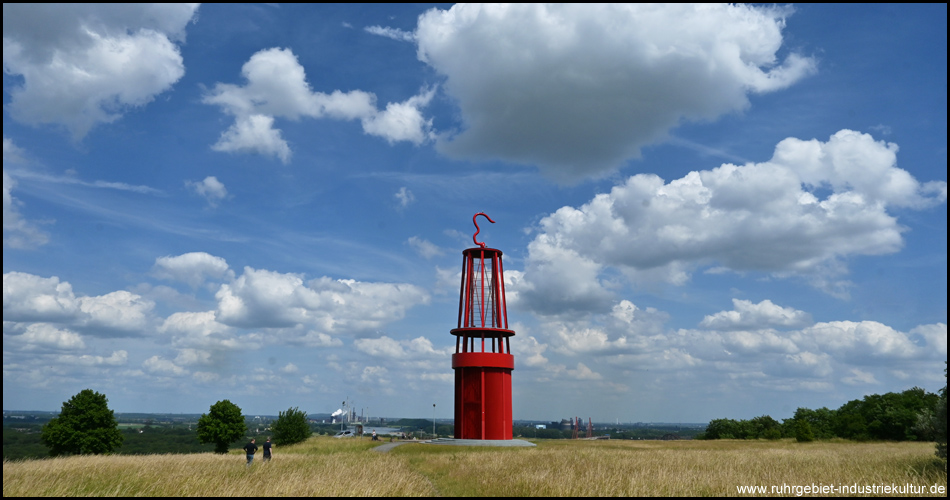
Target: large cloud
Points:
(277, 87)
(28, 298)
(579, 89)
(40, 336)
(812, 205)
(84, 64)
(119, 311)
(268, 299)
(778, 349)
(864, 342)
(194, 331)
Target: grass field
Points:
(348, 467)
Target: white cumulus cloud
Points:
(189, 357)
(386, 347)
(192, 268)
(582, 372)
(197, 332)
(579, 89)
(211, 189)
(254, 134)
(261, 298)
(163, 367)
(85, 64)
(276, 87)
(117, 358)
(45, 335)
(864, 342)
(747, 315)
(28, 298)
(768, 217)
(779, 348)
(120, 311)
(290, 368)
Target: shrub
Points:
(291, 427)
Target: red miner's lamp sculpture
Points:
(482, 359)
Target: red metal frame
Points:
(482, 377)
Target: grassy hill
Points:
(324, 466)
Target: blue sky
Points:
(706, 212)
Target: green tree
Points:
(851, 419)
(803, 431)
(85, 425)
(820, 422)
(766, 427)
(722, 428)
(940, 422)
(892, 416)
(549, 434)
(223, 425)
(291, 427)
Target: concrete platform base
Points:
(480, 442)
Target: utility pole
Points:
(433, 419)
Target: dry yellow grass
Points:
(673, 468)
(320, 467)
(335, 467)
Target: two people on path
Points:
(251, 448)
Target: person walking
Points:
(250, 449)
(267, 450)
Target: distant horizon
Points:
(386, 417)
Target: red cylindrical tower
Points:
(482, 359)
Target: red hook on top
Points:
(478, 229)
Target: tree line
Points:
(86, 426)
(24, 441)
(912, 415)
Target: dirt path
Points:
(388, 446)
